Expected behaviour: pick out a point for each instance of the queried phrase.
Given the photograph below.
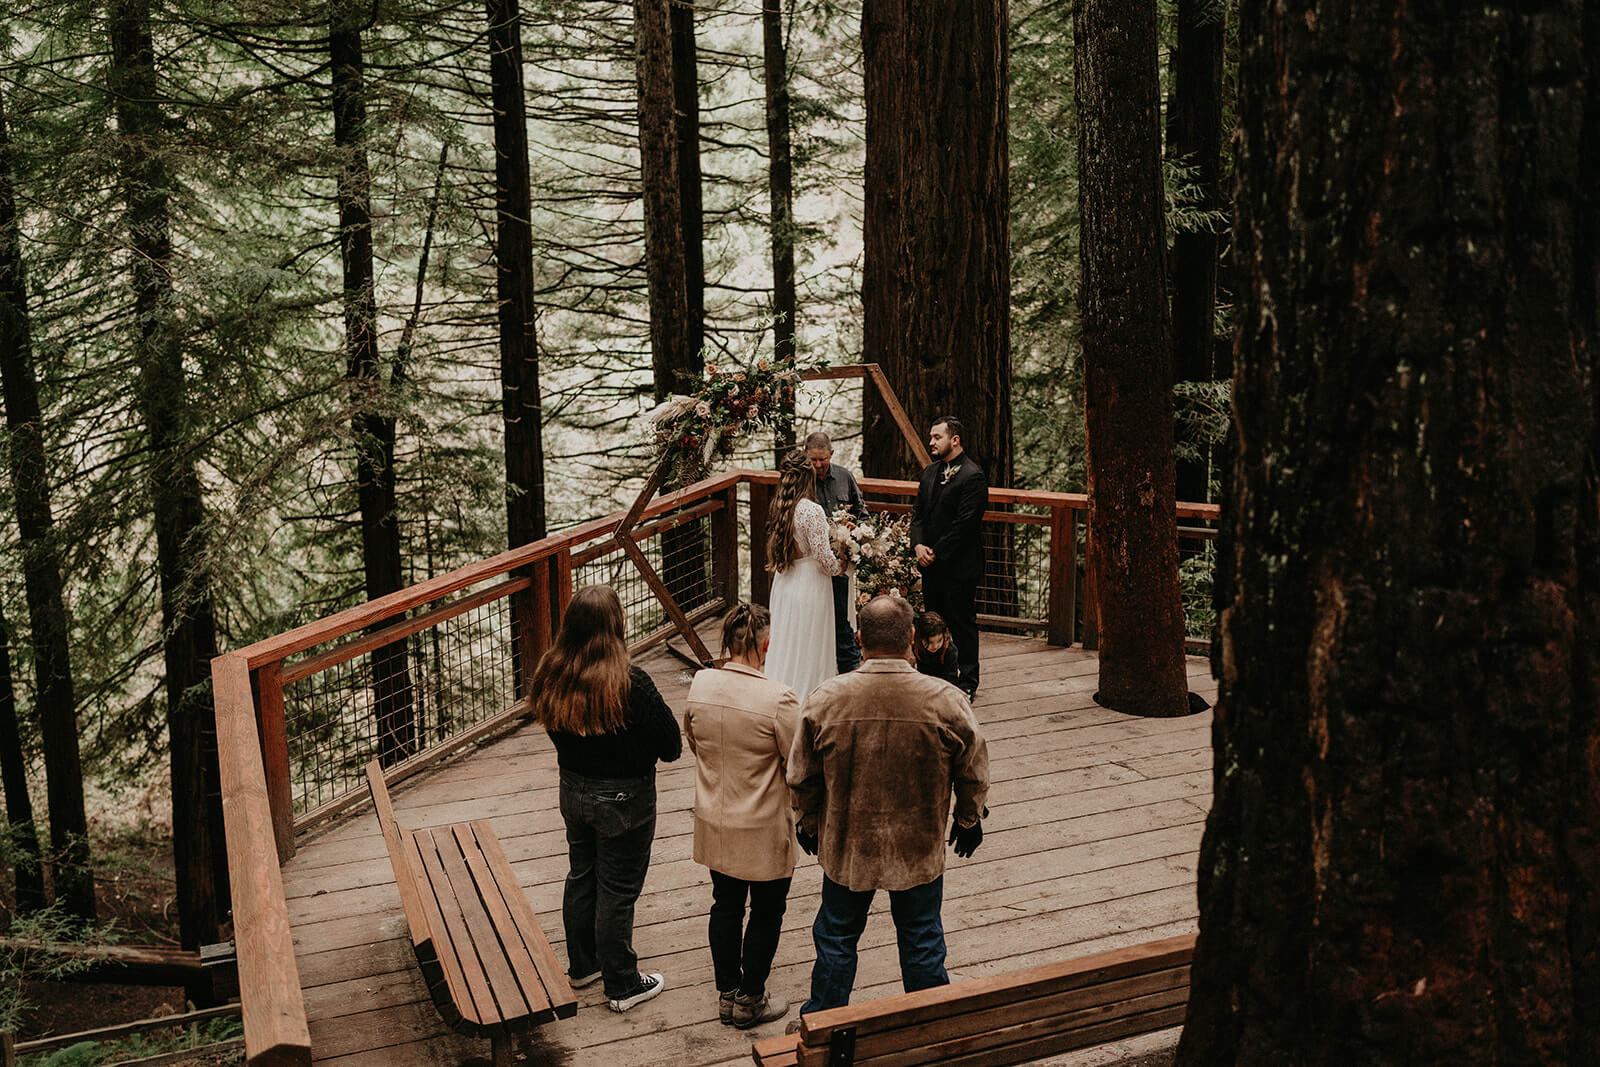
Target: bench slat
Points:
(552, 976)
(965, 1030)
(1052, 1044)
(457, 934)
(776, 1051)
(510, 1004)
(454, 1001)
(410, 893)
(1049, 1031)
(978, 993)
(508, 939)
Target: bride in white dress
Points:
(802, 652)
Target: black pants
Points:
(956, 599)
(611, 823)
(742, 954)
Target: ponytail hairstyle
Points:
(796, 482)
(743, 629)
(581, 685)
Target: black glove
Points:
(966, 838)
(808, 842)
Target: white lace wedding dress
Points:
(802, 652)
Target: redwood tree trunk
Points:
(1194, 136)
(1401, 863)
(374, 430)
(936, 281)
(1127, 363)
(190, 637)
(686, 108)
(42, 578)
(24, 837)
(780, 185)
(519, 347)
(666, 267)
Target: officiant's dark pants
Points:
(847, 653)
(956, 599)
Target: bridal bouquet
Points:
(879, 549)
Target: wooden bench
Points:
(1009, 1018)
(484, 956)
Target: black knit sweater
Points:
(651, 734)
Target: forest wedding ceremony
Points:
(518, 520)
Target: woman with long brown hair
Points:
(609, 726)
(803, 565)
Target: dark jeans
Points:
(743, 958)
(611, 823)
(840, 920)
(847, 653)
(956, 599)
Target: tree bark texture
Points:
(780, 185)
(1401, 864)
(665, 264)
(1194, 137)
(1127, 361)
(686, 110)
(373, 428)
(188, 623)
(24, 836)
(519, 347)
(41, 565)
(936, 276)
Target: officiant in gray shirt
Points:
(837, 488)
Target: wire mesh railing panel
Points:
(1016, 571)
(397, 700)
(680, 555)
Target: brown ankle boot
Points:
(725, 1007)
(751, 1011)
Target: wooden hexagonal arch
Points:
(624, 533)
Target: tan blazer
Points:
(740, 725)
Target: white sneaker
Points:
(579, 981)
(649, 985)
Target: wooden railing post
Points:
(725, 547)
(760, 580)
(1063, 606)
(266, 684)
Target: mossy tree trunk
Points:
(29, 480)
(513, 251)
(189, 628)
(1127, 361)
(1402, 862)
(372, 424)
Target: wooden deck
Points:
(1091, 843)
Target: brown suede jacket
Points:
(878, 754)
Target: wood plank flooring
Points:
(1091, 843)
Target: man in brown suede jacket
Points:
(875, 761)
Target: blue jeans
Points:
(840, 920)
(846, 653)
(611, 823)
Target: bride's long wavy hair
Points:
(581, 685)
(796, 482)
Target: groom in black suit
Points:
(946, 535)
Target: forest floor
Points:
(135, 892)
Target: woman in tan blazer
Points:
(740, 725)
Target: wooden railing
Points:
(447, 660)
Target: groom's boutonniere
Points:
(949, 472)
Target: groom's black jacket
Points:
(948, 518)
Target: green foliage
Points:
(1195, 583)
(25, 955)
(195, 1036)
